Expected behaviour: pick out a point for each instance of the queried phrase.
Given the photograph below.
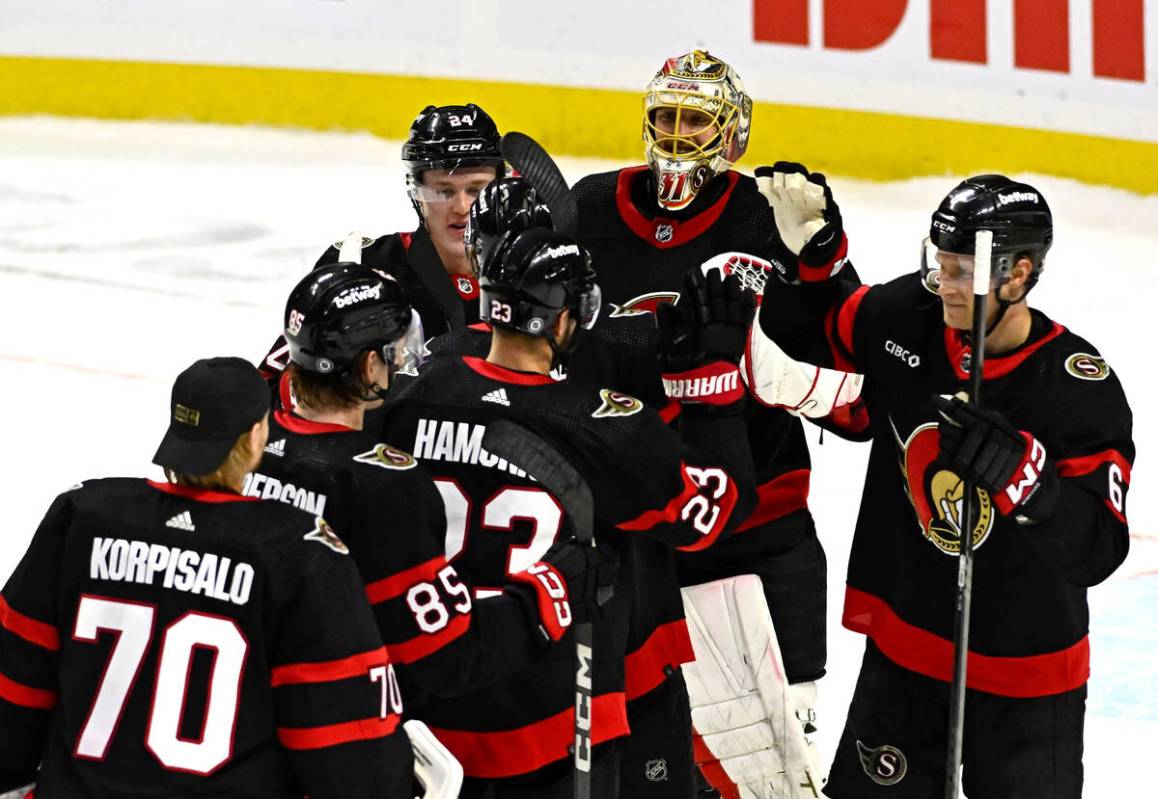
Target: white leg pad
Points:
(435, 767)
(743, 709)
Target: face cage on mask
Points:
(724, 119)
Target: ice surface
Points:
(127, 250)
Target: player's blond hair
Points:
(230, 473)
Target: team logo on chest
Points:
(644, 303)
(938, 494)
(616, 403)
(885, 765)
(387, 457)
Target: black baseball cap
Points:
(213, 402)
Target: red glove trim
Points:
(551, 594)
(717, 383)
(822, 272)
(1023, 482)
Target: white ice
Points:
(127, 250)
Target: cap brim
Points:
(192, 457)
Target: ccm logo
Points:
(893, 348)
(464, 148)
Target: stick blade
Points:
(518, 445)
(536, 165)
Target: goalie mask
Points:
(696, 122)
(339, 311)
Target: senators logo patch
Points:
(938, 494)
(1087, 367)
(387, 457)
(644, 303)
(616, 404)
(325, 535)
(366, 242)
(885, 765)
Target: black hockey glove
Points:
(702, 337)
(982, 446)
(809, 245)
(569, 585)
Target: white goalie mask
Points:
(696, 121)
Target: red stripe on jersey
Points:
(710, 767)
(31, 630)
(397, 584)
(296, 424)
(481, 327)
(669, 645)
(669, 512)
(995, 365)
(335, 734)
(725, 505)
(199, 494)
(328, 670)
(505, 375)
(1084, 464)
(285, 392)
(682, 231)
(670, 411)
(845, 322)
(26, 696)
(506, 753)
(428, 643)
(778, 497)
(926, 653)
(406, 239)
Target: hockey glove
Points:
(702, 337)
(983, 447)
(810, 245)
(569, 585)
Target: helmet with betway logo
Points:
(339, 311)
(531, 276)
(1016, 213)
(696, 121)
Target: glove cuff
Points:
(716, 383)
(1027, 480)
(820, 260)
(551, 600)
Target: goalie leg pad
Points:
(748, 740)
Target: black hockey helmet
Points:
(341, 310)
(1016, 213)
(530, 276)
(450, 137)
(506, 204)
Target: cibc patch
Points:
(885, 765)
(1084, 366)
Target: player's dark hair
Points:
(325, 391)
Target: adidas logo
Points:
(182, 521)
(498, 396)
(276, 448)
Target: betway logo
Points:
(694, 387)
(1017, 197)
(359, 294)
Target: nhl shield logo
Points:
(655, 770)
(664, 233)
(885, 765)
(616, 403)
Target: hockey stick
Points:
(517, 445)
(982, 262)
(532, 162)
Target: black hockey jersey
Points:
(161, 641)
(387, 509)
(1029, 611)
(640, 261)
(648, 488)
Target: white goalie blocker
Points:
(435, 767)
(748, 722)
(772, 376)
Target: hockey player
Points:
(349, 328)
(651, 491)
(178, 639)
(648, 226)
(1049, 452)
(451, 153)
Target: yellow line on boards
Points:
(566, 120)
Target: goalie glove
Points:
(702, 338)
(570, 585)
(810, 245)
(984, 448)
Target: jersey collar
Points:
(505, 375)
(199, 494)
(995, 366)
(665, 232)
(296, 424)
